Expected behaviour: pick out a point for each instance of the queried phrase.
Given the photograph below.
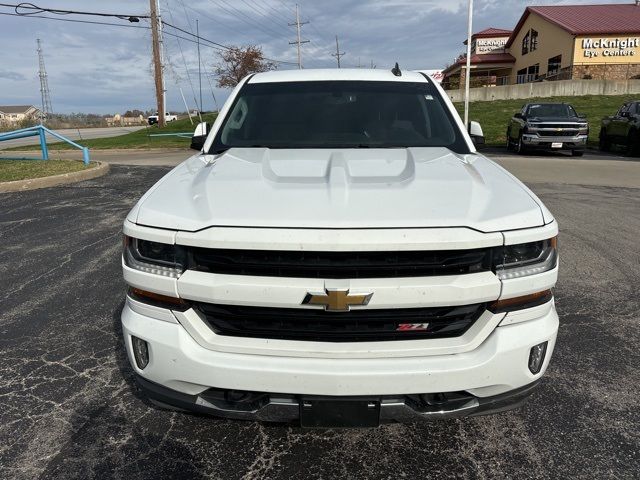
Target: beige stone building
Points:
(561, 42)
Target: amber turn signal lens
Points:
(157, 300)
(519, 303)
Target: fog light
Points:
(536, 357)
(141, 352)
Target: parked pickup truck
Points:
(548, 126)
(337, 253)
(623, 128)
(153, 119)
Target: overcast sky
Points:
(107, 69)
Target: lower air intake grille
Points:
(369, 325)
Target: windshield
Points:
(339, 114)
(551, 110)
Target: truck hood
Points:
(557, 119)
(341, 188)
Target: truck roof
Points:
(328, 74)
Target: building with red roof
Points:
(489, 60)
(558, 42)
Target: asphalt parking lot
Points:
(69, 407)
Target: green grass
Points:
(494, 116)
(139, 139)
(11, 170)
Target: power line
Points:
(287, 7)
(233, 11)
(277, 12)
(270, 11)
(37, 9)
(186, 68)
(208, 17)
(220, 45)
(217, 20)
(262, 14)
(226, 47)
(210, 43)
(186, 16)
(74, 21)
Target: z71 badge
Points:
(412, 327)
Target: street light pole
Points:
(200, 109)
(468, 69)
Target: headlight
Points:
(523, 259)
(154, 257)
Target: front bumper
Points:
(578, 142)
(494, 374)
(286, 408)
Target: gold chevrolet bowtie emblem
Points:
(336, 300)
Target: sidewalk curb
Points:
(52, 181)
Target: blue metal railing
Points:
(41, 131)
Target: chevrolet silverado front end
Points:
(339, 255)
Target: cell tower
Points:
(44, 84)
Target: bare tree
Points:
(238, 62)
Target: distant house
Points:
(122, 121)
(18, 113)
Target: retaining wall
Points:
(561, 88)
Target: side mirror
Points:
(475, 131)
(582, 115)
(624, 114)
(518, 115)
(200, 136)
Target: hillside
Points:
(494, 116)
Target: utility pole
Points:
(338, 53)
(157, 60)
(44, 86)
(299, 41)
(467, 78)
(199, 64)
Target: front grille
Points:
(367, 325)
(558, 125)
(349, 265)
(556, 133)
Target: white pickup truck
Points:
(153, 119)
(338, 253)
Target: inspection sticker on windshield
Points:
(556, 145)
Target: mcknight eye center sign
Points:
(610, 47)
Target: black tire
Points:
(604, 143)
(509, 144)
(520, 148)
(633, 143)
(577, 153)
